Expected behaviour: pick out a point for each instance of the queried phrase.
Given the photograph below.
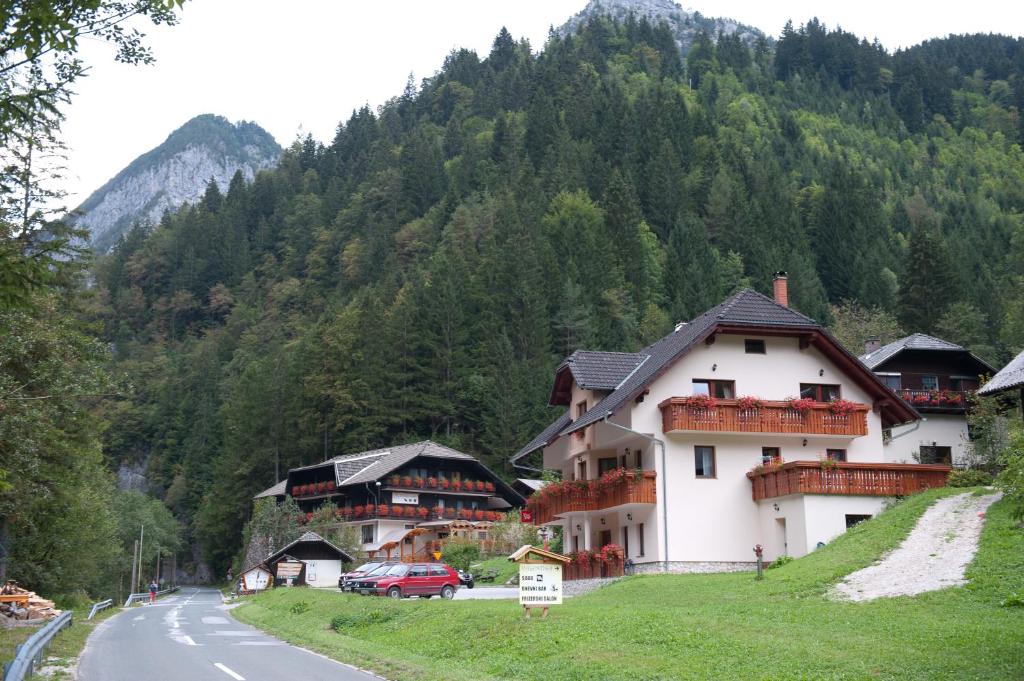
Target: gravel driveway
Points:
(934, 555)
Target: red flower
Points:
(431, 482)
(480, 486)
(423, 512)
(444, 483)
(842, 407)
(489, 486)
(748, 402)
(701, 402)
(800, 403)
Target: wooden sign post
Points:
(540, 578)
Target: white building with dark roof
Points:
(936, 377)
(748, 425)
(405, 500)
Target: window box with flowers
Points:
(360, 511)
(701, 402)
(407, 481)
(481, 486)
(422, 512)
(444, 483)
(370, 508)
(382, 510)
(800, 404)
(438, 512)
(395, 480)
(432, 482)
(418, 482)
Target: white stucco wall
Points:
(323, 573)
(944, 430)
(808, 519)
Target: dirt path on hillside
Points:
(934, 555)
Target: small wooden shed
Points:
(310, 560)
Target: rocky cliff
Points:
(174, 173)
(686, 25)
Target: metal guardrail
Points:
(144, 596)
(102, 605)
(30, 653)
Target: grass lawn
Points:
(64, 648)
(505, 568)
(725, 626)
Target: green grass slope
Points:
(693, 626)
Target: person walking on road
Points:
(152, 592)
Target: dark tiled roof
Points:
(1010, 376)
(277, 490)
(746, 308)
(373, 465)
(915, 341)
(594, 370)
(309, 537)
(370, 466)
(545, 437)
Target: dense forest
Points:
(421, 274)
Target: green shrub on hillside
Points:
(969, 478)
(459, 554)
(1011, 480)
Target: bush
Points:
(969, 478)
(780, 561)
(1014, 600)
(299, 607)
(362, 619)
(1011, 480)
(459, 554)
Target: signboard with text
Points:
(405, 498)
(540, 584)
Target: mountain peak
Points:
(206, 147)
(685, 24)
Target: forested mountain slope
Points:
(422, 273)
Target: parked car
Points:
(354, 584)
(415, 579)
(361, 571)
(466, 578)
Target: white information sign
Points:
(405, 498)
(256, 579)
(540, 585)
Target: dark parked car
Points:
(346, 578)
(355, 583)
(415, 579)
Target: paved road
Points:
(190, 635)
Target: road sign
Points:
(526, 516)
(540, 584)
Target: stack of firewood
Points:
(21, 604)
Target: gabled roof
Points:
(370, 466)
(747, 310)
(527, 551)
(916, 341)
(546, 437)
(277, 490)
(532, 483)
(592, 370)
(1010, 376)
(308, 537)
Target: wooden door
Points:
(606, 538)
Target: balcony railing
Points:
(942, 400)
(728, 416)
(853, 479)
(627, 487)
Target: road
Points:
(191, 635)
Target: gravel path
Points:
(934, 555)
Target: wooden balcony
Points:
(943, 401)
(727, 416)
(574, 496)
(853, 479)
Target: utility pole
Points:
(135, 558)
(157, 580)
(142, 534)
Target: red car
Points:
(414, 579)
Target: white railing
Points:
(145, 595)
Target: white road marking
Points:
(140, 617)
(257, 643)
(226, 670)
(188, 640)
(215, 620)
(221, 632)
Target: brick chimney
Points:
(872, 344)
(780, 289)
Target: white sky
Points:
(304, 65)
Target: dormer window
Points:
(581, 409)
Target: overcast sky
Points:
(302, 66)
